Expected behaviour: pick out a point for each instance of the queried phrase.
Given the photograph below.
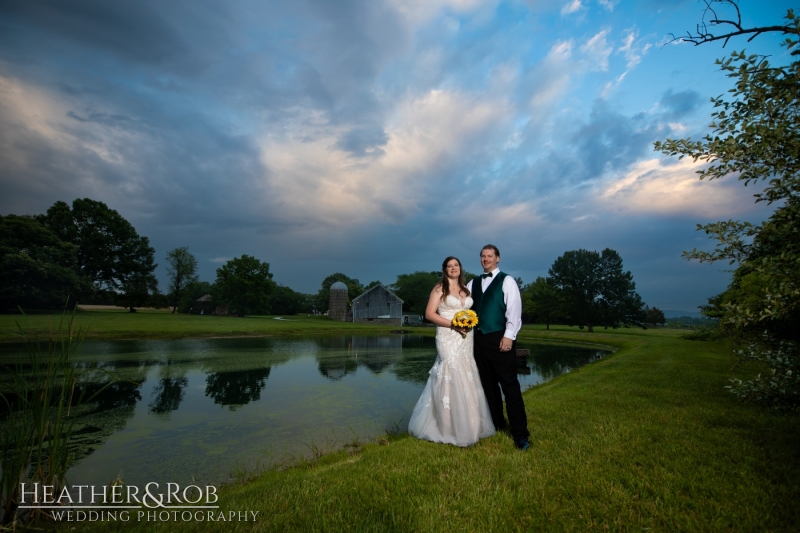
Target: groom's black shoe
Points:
(522, 444)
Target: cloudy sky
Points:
(376, 137)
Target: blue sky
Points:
(376, 137)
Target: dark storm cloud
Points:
(678, 105)
(167, 111)
(133, 31)
(610, 141)
(163, 105)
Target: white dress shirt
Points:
(511, 298)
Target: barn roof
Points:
(204, 298)
(379, 286)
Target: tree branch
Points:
(711, 20)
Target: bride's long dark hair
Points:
(446, 281)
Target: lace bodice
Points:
(450, 305)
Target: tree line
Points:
(88, 252)
(583, 288)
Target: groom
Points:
(499, 307)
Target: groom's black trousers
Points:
(500, 368)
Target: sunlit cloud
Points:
(310, 179)
(656, 187)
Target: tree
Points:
(541, 301)
(595, 290)
(110, 252)
(285, 301)
(729, 27)
(182, 270)
(322, 299)
(139, 289)
(39, 270)
(755, 135)
(654, 316)
(245, 285)
(415, 289)
(193, 292)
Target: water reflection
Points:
(336, 367)
(168, 394)
(216, 404)
(236, 388)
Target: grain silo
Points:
(337, 303)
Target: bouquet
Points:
(465, 318)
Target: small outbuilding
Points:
(378, 305)
(337, 302)
(205, 306)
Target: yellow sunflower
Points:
(465, 319)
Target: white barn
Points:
(378, 305)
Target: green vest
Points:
(489, 305)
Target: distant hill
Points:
(672, 313)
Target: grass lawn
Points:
(160, 324)
(644, 440)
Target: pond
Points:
(201, 409)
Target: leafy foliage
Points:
(322, 299)
(756, 135)
(595, 290)
(138, 285)
(110, 254)
(654, 316)
(193, 292)
(542, 301)
(415, 289)
(182, 270)
(779, 385)
(245, 284)
(39, 270)
(285, 301)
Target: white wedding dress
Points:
(452, 408)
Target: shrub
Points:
(778, 386)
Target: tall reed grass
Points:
(37, 422)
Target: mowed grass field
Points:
(646, 439)
(109, 324)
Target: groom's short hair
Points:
(493, 248)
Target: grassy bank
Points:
(645, 440)
(113, 324)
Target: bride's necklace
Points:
(456, 293)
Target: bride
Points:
(452, 408)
